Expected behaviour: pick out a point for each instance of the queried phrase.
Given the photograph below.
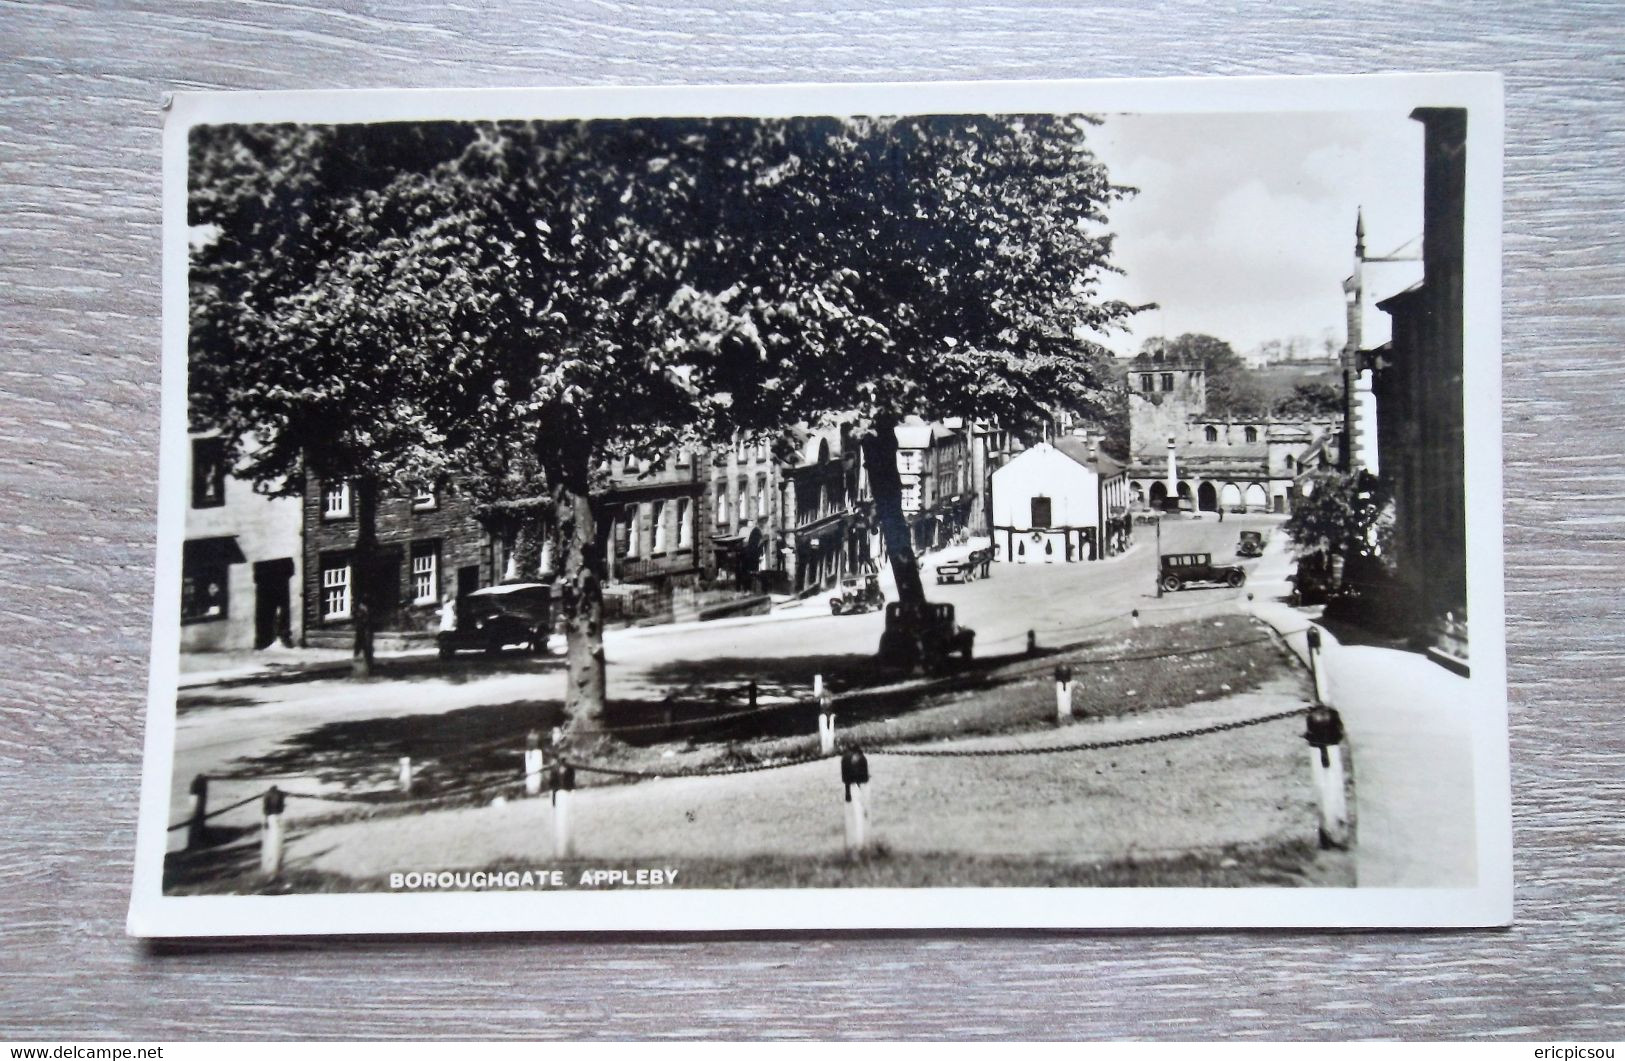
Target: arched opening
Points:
(1185, 491)
(1159, 494)
(1230, 495)
(1207, 498)
(1212, 434)
(1255, 498)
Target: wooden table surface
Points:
(79, 386)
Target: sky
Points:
(1243, 226)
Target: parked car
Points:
(1182, 569)
(956, 571)
(859, 593)
(928, 629)
(1251, 544)
(490, 619)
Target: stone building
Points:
(1421, 412)
(747, 516)
(240, 561)
(430, 549)
(1239, 464)
(1060, 502)
(827, 512)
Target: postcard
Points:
(1000, 505)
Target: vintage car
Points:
(1251, 544)
(1182, 569)
(924, 632)
(859, 593)
(490, 619)
(957, 571)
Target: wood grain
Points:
(79, 324)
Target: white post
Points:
(855, 785)
(1325, 736)
(533, 763)
(563, 781)
(826, 728)
(1135, 615)
(406, 773)
(271, 833)
(1317, 664)
(818, 687)
(1063, 701)
(1326, 764)
(200, 808)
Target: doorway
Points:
(273, 598)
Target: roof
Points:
(913, 436)
(509, 587)
(1076, 448)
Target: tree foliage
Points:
(1345, 516)
(882, 267)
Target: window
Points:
(1252, 434)
(911, 497)
(1041, 513)
(425, 499)
(335, 591)
(1213, 434)
(1167, 381)
(685, 521)
(742, 500)
(336, 500)
(425, 572)
(203, 591)
(683, 459)
(208, 473)
(761, 498)
(657, 520)
(761, 450)
(634, 530)
(722, 504)
(1146, 382)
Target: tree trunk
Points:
(880, 454)
(364, 572)
(581, 601)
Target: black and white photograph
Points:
(1005, 505)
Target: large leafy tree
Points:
(578, 234)
(293, 357)
(880, 267)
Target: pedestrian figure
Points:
(448, 617)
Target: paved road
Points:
(226, 723)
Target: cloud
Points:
(1244, 224)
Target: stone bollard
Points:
(855, 781)
(533, 763)
(405, 777)
(562, 781)
(195, 825)
(271, 832)
(1063, 693)
(1135, 616)
(1032, 642)
(826, 727)
(1316, 664)
(1324, 732)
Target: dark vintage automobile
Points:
(491, 619)
(1251, 544)
(1182, 569)
(859, 593)
(923, 633)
